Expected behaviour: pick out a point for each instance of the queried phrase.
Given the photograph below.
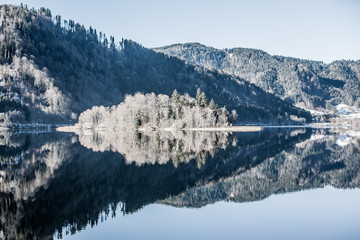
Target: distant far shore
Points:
(223, 129)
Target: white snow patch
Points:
(314, 137)
(343, 109)
(347, 111)
(343, 140)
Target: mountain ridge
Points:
(199, 44)
(306, 83)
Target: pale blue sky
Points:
(313, 29)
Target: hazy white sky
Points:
(313, 29)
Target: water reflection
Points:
(50, 181)
(157, 147)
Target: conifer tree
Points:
(198, 96)
(157, 120)
(137, 120)
(175, 99)
(212, 105)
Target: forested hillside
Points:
(309, 84)
(54, 69)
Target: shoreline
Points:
(242, 128)
(144, 129)
(227, 129)
(67, 129)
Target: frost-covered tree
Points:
(201, 98)
(155, 111)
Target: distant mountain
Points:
(309, 84)
(50, 71)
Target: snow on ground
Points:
(346, 111)
(343, 111)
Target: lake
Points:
(279, 183)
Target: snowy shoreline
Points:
(224, 129)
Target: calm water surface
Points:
(274, 184)
(316, 214)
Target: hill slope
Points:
(55, 70)
(310, 84)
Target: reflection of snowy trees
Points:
(157, 147)
(156, 111)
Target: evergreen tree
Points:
(170, 112)
(71, 25)
(175, 97)
(137, 120)
(201, 99)
(157, 120)
(112, 42)
(212, 105)
(58, 21)
(198, 96)
(203, 102)
(106, 42)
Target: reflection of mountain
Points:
(29, 161)
(69, 185)
(314, 163)
(79, 184)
